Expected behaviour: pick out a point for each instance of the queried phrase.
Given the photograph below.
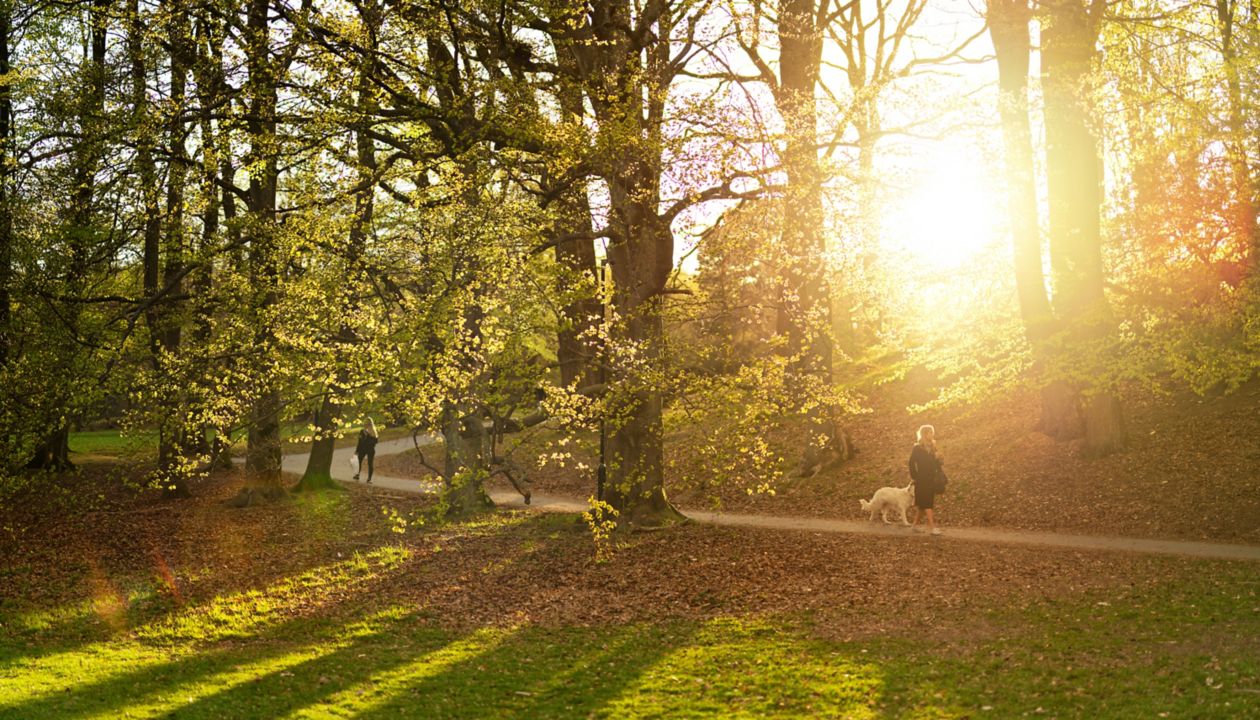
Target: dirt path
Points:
(296, 463)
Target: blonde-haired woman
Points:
(927, 473)
(366, 448)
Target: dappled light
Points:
(629, 359)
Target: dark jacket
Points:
(925, 469)
(367, 444)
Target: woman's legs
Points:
(370, 457)
(921, 513)
(358, 468)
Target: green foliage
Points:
(601, 519)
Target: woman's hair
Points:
(925, 430)
(370, 427)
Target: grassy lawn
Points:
(340, 633)
(112, 443)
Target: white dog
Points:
(890, 498)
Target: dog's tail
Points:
(866, 505)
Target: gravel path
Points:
(296, 463)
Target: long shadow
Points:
(120, 689)
(84, 626)
(149, 674)
(291, 688)
(206, 651)
(539, 672)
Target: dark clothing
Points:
(367, 444)
(925, 470)
(366, 448)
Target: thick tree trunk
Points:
(575, 252)
(1105, 428)
(1062, 417)
(641, 264)
(207, 70)
(806, 300)
(1073, 178)
(1008, 27)
(53, 452)
(467, 462)
(1074, 184)
(262, 457)
(318, 474)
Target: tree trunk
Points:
(806, 298)
(575, 252)
(467, 461)
(1008, 27)
(641, 264)
(207, 69)
(262, 458)
(1105, 429)
(52, 452)
(6, 181)
(1061, 415)
(318, 474)
(636, 452)
(1244, 187)
(1073, 178)
(1074, 184)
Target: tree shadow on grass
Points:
(74, 665)
(536, 672)
(248, 670)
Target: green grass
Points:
(322, 644)
(113, 443)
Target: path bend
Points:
(341, 470)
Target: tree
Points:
(1008, 27)
(1074, 185)
(318, 474)
(266, 68)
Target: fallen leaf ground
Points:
(317, 608)
(1192, 470)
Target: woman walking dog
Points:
(928, 475)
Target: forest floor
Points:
(359, 604)
(318, 607)
(1191, 472)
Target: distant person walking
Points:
(928, 475)
(366, 448)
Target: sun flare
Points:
(949, 217)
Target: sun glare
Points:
(949, 217)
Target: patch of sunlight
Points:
(387, 685)
(167, 700)
(497, 520)
(46, 619)
(31, 679)
(752, 668)
(82, 677)
(241, 614)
